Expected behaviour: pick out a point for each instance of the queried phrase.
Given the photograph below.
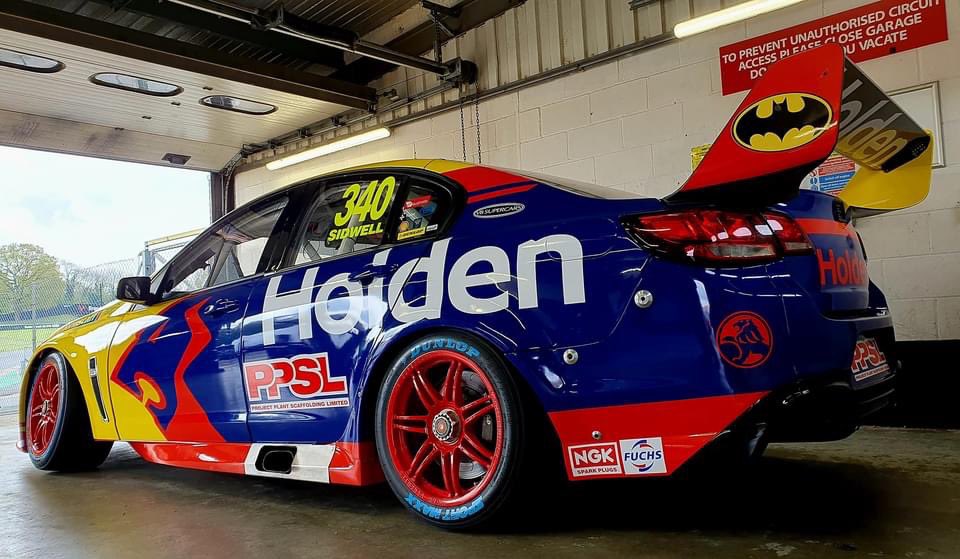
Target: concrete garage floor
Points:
(882, 493)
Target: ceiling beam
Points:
(420, 39)
(68, 28)
(290, 46)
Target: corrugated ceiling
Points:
(359, 16)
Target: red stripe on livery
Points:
(474, 179)
(190, 421)
(499, 193)
(813, 226)
(685, 426)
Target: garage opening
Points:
(73, 226)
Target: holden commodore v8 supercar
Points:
(439, 324)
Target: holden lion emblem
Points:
(745, 340)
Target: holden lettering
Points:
(312, 301)
(846, 268)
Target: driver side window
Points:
(229, 252)
(347, 217)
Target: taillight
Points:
(788, 232)
(719, 237)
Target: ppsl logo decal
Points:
(868, 360)
(745, 340)
(782, 122)
(303, 382)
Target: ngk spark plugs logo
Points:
(600, 459)
(303, 382)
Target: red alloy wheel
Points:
(44, 409)
(431, 431)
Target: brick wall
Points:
(630, 124)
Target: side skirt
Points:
(342, 463)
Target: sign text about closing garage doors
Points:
(867, 32)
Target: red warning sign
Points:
(867, 32)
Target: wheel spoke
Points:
(425, 391)
(43, 433)
(475, 450)
(37, 411)
(42, 389)
(452, 388)
(476, 409)
(450, 468)
(411, 423)
(425, 455)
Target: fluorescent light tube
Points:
(729, 15)
(327, 149)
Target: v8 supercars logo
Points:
(303, 382)
(782, 122)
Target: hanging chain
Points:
(463, 128)
(437, 49)
(476, 109)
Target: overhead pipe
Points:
(279, 21)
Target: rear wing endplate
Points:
(804, 108)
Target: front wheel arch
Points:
(26, 381)
(72, 446)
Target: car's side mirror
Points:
(135, 289)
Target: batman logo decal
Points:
(782, 122)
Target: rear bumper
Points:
(827, 408)
(655, 439)
(649, 439)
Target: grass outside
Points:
(15, 346)
(12, 340)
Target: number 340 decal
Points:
(364, 211)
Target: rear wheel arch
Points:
(396, 346)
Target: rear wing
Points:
(803, 108)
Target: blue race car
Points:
(453, 328)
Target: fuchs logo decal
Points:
(782, 122)
(498, 210)
(309, 301)
(643, 456)
(303, 382)
(745, 340)
(599, 459)
(868, 360)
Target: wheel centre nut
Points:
(446, 425)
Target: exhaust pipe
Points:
(276, 459)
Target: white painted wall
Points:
(631, 123)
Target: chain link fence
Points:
(32, 312)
